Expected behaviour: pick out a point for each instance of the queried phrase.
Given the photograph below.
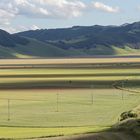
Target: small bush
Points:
(128, 115)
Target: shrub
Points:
(128, 115)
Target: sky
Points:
(22, 15)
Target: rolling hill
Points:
(83, 41)
(14, 46)
(92, 40)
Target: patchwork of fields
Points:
(44, 99)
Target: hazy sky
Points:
(19, 15)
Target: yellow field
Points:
(68, 61)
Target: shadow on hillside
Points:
(126, 130)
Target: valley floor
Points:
(48, 98)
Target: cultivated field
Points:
(40, 98)
(70, 61)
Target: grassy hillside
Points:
(6, 52)
(39, 49)
(78, 41)
(36, 49)
(128, 129)
(92, 40)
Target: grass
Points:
(34, 49)
(16, 132)
(38, 49)
(125, 51)
(32, 109)
(129, 130)
(64, 71)
(49, 109)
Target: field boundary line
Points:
(21, 99)
(4, 126)
(124, 89)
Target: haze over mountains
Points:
(72, 42)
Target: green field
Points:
(42, 102)
(83, 110)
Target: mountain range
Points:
(77, 41)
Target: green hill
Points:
(87, 37)
(34, 49)
(78, 41)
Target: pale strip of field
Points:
(88, 78)
(25, 133)
(68, 61)
(67, 71)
